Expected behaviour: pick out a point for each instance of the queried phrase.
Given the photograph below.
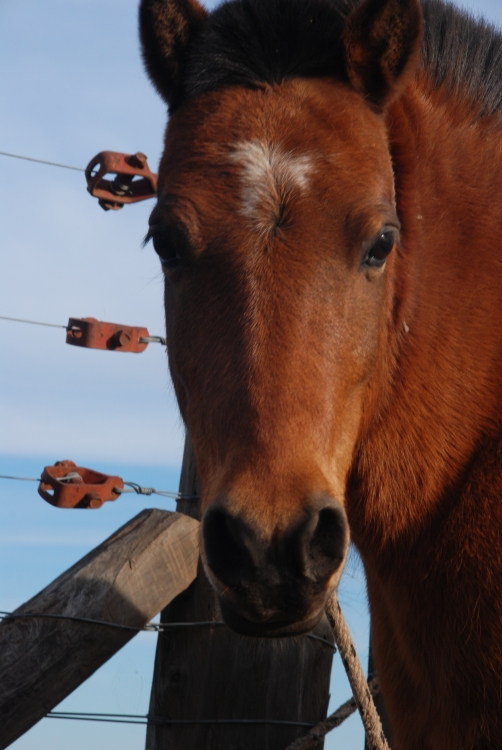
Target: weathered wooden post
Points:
(126, 580)
(211, 673)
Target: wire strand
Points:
(6, 616)
(42, 161)
(106, 721)
(153, 340)
(137, 719)
(33, 322)
(152, 627)
(20, 479)
(139, 490)
(142, 339)
(134, 487)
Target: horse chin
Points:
(267, 629)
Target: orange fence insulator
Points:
(67, 485)
(96, 334)
(133, 180)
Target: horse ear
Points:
(382, 41)
(166, 28)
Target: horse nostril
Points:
(330, 535)
(228, 543)
(328, 543)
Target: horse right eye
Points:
(170, 244)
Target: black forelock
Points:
(248, 42)
(252, 42)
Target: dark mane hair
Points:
(250, 42)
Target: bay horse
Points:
(328, 222)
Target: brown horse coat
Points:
(329, 224)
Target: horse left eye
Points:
(380, 249)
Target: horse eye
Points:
(170, 244)
(380, 249)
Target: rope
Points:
(312, 740)
(362, 694)
(42, 161)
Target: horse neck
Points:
(443, 379)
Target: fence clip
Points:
(96, 334)
(67, 485)
(133, 181)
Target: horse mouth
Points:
(267, 629)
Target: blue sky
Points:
(72, 85)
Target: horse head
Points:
(277, 231)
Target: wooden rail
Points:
(127, 580)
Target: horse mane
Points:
(255, 42)
(463, 53)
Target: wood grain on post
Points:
(213, 673)
(128, 579)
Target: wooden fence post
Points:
(213, 673)
(127, 580)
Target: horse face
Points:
(276, 229)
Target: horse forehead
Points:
(271, 165)
(262, 150)
(269, 176)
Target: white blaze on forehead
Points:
(270, 175)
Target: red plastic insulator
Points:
(96, 334)
(133, 181)
(67, 485)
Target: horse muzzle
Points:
(275, 584)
